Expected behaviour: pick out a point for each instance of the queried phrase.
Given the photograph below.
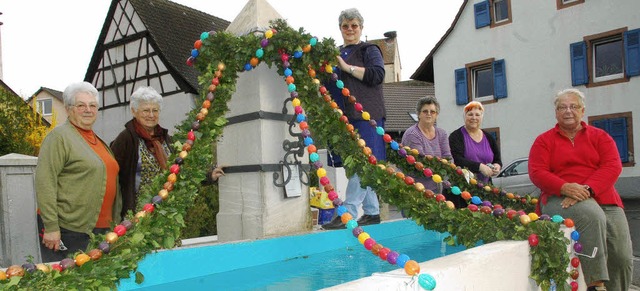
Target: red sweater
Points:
(591, 159)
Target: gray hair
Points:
(145, 95)
(570, 91)
(73, 89)
(427, 100)
(350, 14)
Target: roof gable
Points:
(172, 27)
(425, 71)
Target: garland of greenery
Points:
(159, 222)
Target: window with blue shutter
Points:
(462, 97)
(579, 69)
(499, 80)
(632, 52)
(482, 13)
(617, 129)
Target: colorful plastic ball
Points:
(394, 145)
(204, 35)
(104, 247)
(498, 212)
(427, 281)
(402, 152)
(291, 87)
(577, 247)
(313, 41)
(264, 42)
(268, 33)
(411, 268)
(247, 67)
(369, 243)
(402, 260)
(314, 157)
(308, 141)
(382, 253)
(120, 230)
(545, 217)
(300, 118)
(392, 257)
(297, 54)
(557, 218)
(341, 210)
(436, 178)
(363, 237)
(575, 262)
(195, 53)
(380, 130)
(427, 172)
(339, 84)
(575, 235)
(351, 224)
(533, 240)
(574, 286)
(190, 61)
(473, 207)
(455, 190)
(321, 172)
(259, 53)
(568, 222)
(476, 200)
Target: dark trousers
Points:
(74, 241)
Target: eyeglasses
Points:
(573, 108)
(84, 107)
(429, 112)
(353, 26)
(148, 112)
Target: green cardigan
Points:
(71, 181)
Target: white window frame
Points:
(494, 8)
(594, 44)
(474, 82)
(41, 107)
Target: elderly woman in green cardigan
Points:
(76, 179)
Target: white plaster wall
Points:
(535, 47)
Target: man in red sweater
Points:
(576, 166)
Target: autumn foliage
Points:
(22, 129)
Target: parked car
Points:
(514, 178)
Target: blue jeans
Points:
(357, 195)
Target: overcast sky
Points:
(48, 43)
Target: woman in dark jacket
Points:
(143, 147)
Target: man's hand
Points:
(51, 240)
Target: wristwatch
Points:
(351, 70)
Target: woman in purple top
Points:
(425, 137)
(473, 148)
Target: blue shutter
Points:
(618, 131)
(579, 70)
(632, 52)
(481, 10)
(601, 124)
(462, 97)
(499, 80)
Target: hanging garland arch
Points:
(306, 63)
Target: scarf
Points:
(153, 143)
